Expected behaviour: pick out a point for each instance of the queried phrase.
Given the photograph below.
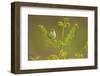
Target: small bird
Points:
(52, 34)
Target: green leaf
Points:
(53, 57)
(52, 43)
(65, 23)
(35, 58)
(62, 54)
(60, 23)
(43, 29)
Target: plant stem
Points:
(62, 33)
(62, 37)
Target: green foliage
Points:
(62, 54)
(35, 58)
(64, 42)
(53, 42)
(65, 23)
(53, 57)
(68, 39)
(60, 44)
(50, 42)
(44, 30)
(81, 53)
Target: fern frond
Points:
(43, 29)
(68, 39)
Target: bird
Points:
(52, 34)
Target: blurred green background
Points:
(36, 41)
